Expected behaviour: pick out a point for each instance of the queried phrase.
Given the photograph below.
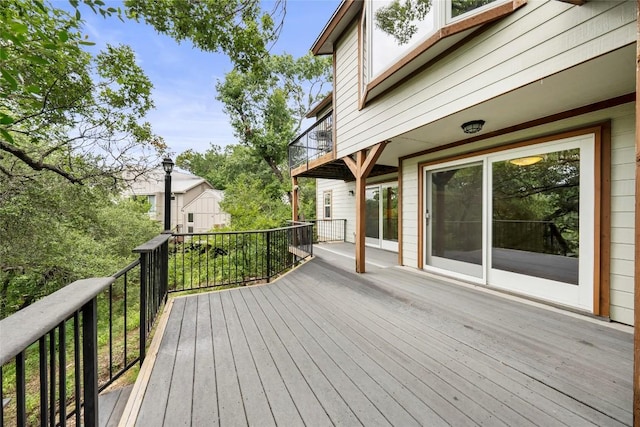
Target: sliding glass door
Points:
(520, 219)
(542, 221)
(382, 216)
(453, 219)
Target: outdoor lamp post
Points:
(167, 165)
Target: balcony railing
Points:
(329, 230)
(54, 365)
(59, 353)
(208, 260)
(314, 143)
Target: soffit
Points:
(579, 86)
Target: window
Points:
(190, 229)
(327, 204)
(152, 201)
(383, 48)
(190, 217)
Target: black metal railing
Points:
(329, 230)
(207, 260)
(524, 235)
(532, 236)
(315, 142)
(57, 354)
(53, 362)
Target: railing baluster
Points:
(143, 304)
(52, 378)
(62, 361)
(124, 315)
(42, 349)
(21, 390)
(76, 357)
(90, 362)
(111, 332)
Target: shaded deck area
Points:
(324, 346)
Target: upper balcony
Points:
(313, 147)
(313, 154)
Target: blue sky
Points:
(187, 115)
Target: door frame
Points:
(602, 202)
(380, 242)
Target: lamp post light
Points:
(167, 165)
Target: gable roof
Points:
(211, 192)
(153, 182)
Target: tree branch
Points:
(35, 165)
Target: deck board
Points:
(324, 346)
(111, 405)
(205, 403)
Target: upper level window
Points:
(395, 27)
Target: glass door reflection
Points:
(453, 219)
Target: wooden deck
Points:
(324, 346)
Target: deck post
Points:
(636, 334)
(294, 198)
(361, 168)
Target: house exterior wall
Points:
(622, 197)
(187, 189)
(342, 203)
(206, 213)
(538, 40)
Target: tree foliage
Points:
(266, 106)
(64, 110)
(54, 233)
(239, 28)
(400, 19)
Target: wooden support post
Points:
(294, 198)
(636, 332)
(361, 168)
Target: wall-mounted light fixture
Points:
(352, 193)
(474, 126)
(526, 161)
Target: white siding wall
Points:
(622, 216)
(206, 214)
(346, 86)
(343, 204)
(538, 40)
(622, 199)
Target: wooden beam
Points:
(361, 167)
(372, 158)
(361, 205)
(351, 164)
(636, 333)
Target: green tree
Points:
(221, 166)
(254, 205)
(55, 233)
(64, 110)
(239, 28)
(267, 106)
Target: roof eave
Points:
(320, 106)
(343, 15)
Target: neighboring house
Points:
(195, 204)
(495, 147)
